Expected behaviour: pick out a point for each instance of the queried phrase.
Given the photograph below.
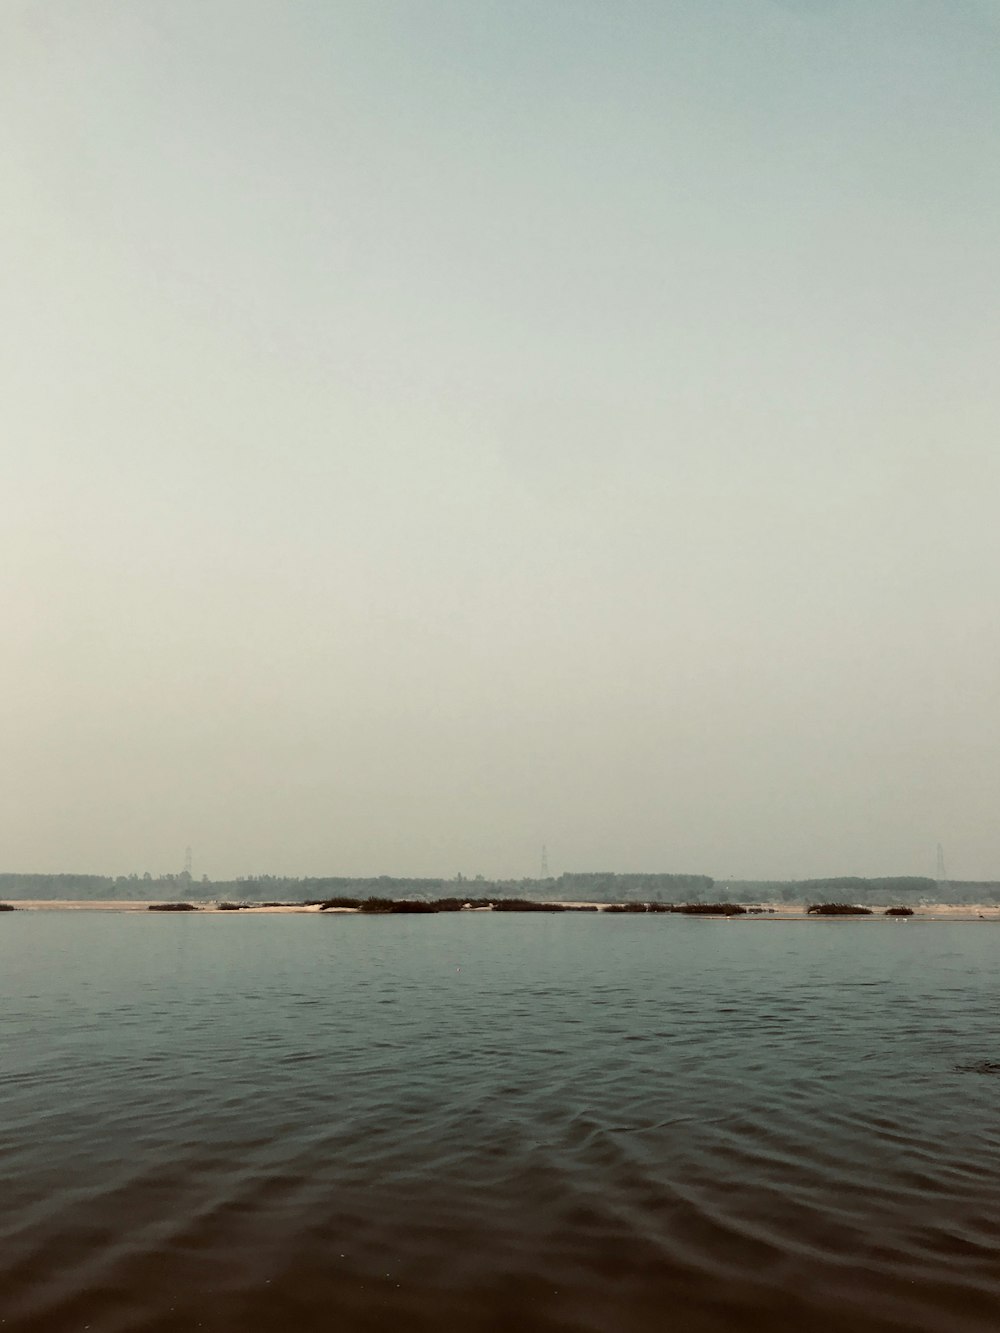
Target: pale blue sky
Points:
(432, 429)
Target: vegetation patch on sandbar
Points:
(374, 906)
(838, 909)
(711, 909)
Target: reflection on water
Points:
(479, 1122)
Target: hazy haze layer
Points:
(434, 430)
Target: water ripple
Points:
(585, 1130)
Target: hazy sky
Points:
(432, 428)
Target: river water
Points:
(487, 1122)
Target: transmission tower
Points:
(187, 862)
(942, 874)
(545, 862)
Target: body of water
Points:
(488, 1122)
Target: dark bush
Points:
(899, 911)
(339, 902)
(172, 907)
(626, 907)
(230, 907)
(459, 904)
(396, 907)
(7, 907)
(710, 909)
(838, 909)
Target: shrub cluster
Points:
(838, 909)
(711, 909)
(457, 904)
(173, 907)
(376, 906)
(400, 907)
(899, 911)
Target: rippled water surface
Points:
(235, 1122)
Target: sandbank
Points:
(755, 912)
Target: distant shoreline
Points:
(764, 911)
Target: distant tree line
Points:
(603, 886)
(878, 892)
(607, 886)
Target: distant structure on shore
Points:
(942, 874)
